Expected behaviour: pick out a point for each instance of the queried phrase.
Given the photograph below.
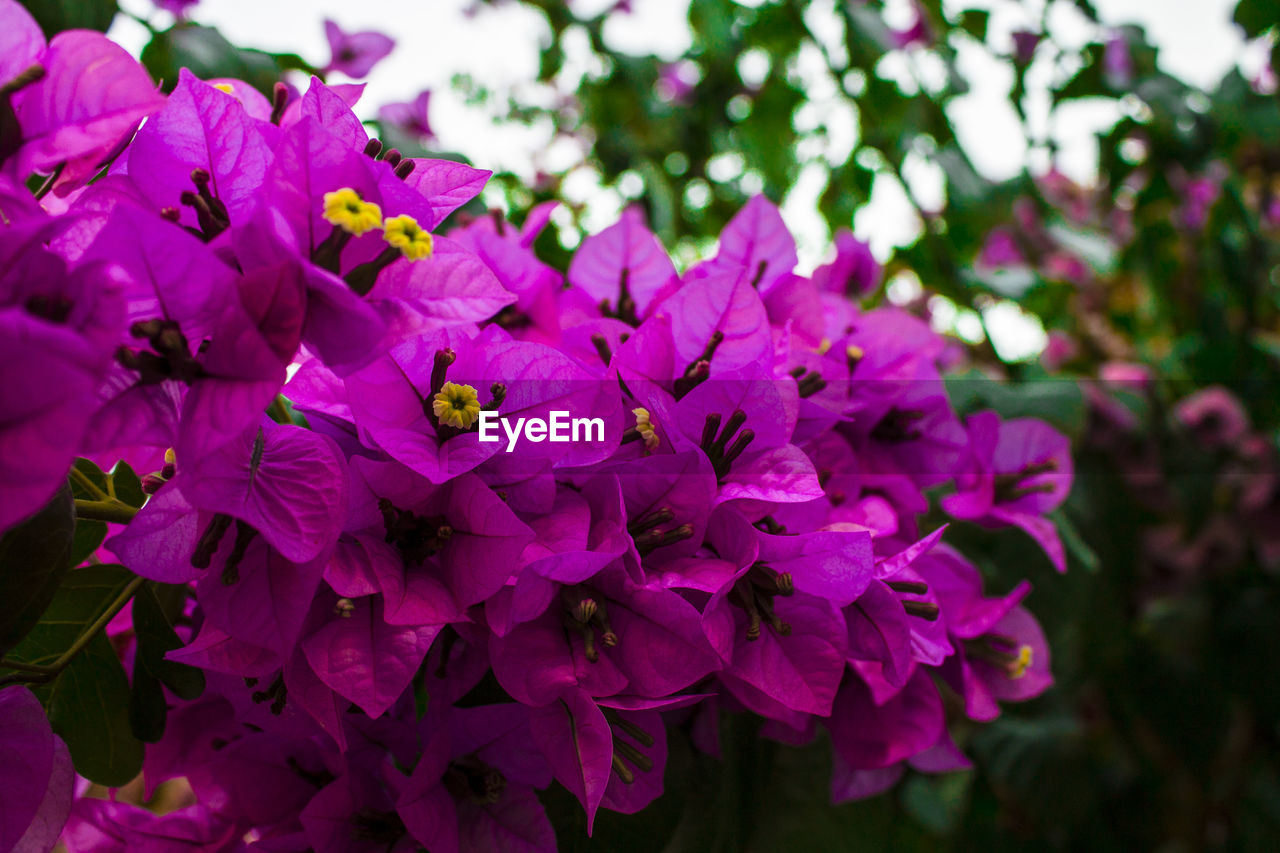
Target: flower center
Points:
(585, 614)
(717, 447)
(377, 826)
(169, 357)
(346, 210)
(1003, 652)
(417, 537)
(456, 405)
(649, 534)
(624, 752)
(755, 591)
(472, 779)
(1009, 487)
(898, 426)
(404, 233)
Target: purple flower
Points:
(624, 266)
(919, 34)
(1214, 416)
(177, 7)
(355, 54)
(89, 101)
(1117, 61)
(36, 776)
(410, 117)
(57, 328)
(854, 271)
(1024, 45)
(1020, 470)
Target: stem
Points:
(36, 674)
(109, 510)
(88, 485)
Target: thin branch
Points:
(88, 485)
(110, 510)
(33, 674)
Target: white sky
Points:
(437, 39)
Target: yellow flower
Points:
(646, 428)
(456, 405)
(405, 234)
(225, 87)
(345, 209)
(853, 352)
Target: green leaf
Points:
(974, 22)
(125, 485)
(206, 53)
(1075, 544)
(54, 16)
(936, 802)
(33, 558)
(94, 474)
(1255, 16)
(88, 703)
(156, 638)
(89, 535)
(1056, 400)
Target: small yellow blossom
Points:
(405, 234)
(345, 209)
(854, 352)
(824, 346)
(646, 428)
(456, 405)
(225, 87)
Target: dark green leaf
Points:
(206, 53)
(89, 535)
(88, 703)
(54, 16)
(94, 474)
(125, 485)
(1256, 16)
(33, 558)
(156, 638)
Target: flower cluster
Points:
(407, 631)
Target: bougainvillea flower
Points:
(355, 54)
(431, 551)
(258, 479)
(624, 266)
(22, 41)
(90, 100)
(56, 328)
(854, 271)
(755, 248)
(36, 777)
(1214, 415)
(868, 735)
(781, 647)
(1021, 469)
(605, 635)
(363, 658)
(411, 117)
(103, 826)
(574, 735)
(467, 794)
(203, 128)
